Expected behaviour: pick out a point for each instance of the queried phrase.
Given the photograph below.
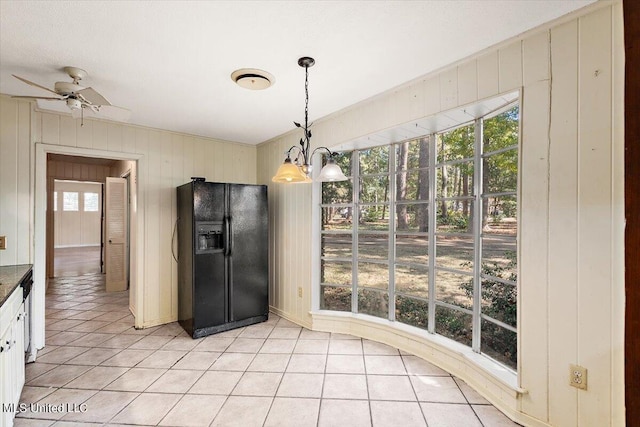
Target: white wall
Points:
(571, 283)
(168, 159)
(77, 228)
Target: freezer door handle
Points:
(230, 236)
(227, 236)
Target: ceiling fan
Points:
(79, 98)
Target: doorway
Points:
(77, 228)
(77, 164)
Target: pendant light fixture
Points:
(300, 171)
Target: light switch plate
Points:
(3, 242)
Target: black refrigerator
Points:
(223, 272)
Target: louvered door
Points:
(116, 234)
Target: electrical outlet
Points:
(299, 291)
(3, 242)
(578, 377)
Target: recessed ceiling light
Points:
(252, 78)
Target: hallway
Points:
(271, 374)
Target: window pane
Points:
(501, 172)
(373, 302)
(454, 216)
(69, 201)
(412, 280)
(412, 311)
(500, 215)
(412, 217)
(501, 131)
(454, 251)
(499, 343)
(336, 245)
(335, 272)
(456, 289)
(335, 298)
(373, 275)
(499, 257)
(336, 218)
(454, 324)
(412, 249)
(455, 180)
(374, 217)
(412, 154)
(91, 202)
(413, 185)
(373, 246)
(337, 192)
(499, 301)
(55, 200)
(456, 144)
(374, 189)
(374, 160)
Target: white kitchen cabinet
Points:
(11, 355)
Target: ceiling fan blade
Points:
(110, 112)
(39, 97)
(114, 113)
(93, 97)
(34, 84)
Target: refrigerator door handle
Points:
(230, 238)
(227, 236)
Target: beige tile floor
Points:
(271, 374)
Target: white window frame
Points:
(477, 235)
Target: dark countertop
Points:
(10, 278)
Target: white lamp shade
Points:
(331, 172)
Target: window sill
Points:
(493, 381)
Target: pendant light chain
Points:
(306, 114)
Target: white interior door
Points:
(116, 234)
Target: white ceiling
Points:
(170, 61)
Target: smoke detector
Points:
(252, 78)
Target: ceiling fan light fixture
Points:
(252, 78)
(74, 104)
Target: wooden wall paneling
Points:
(200, 161)
(535, 58)
(563, 235)
(24, 184)
(142, 141)
(488, 75)
(166, 288)
(68, 131)
(188, 160)
(50, 128)
(631, 10)
(8, 188)
(76, 171)
(449, 89)
(36, 125)
(413, 96)
(178, 158)
(153, 276)
(99, 135)
(84, 133)
(532, 316)
(510, 67)
(214, 158)
(128, 139)
(114, 137)
(618, 255)
(468, 82)
(594, 215)
(431, 95)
